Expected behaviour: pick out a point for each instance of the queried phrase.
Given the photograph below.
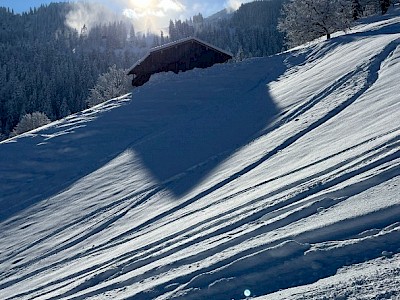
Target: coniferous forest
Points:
(48, 67)
(251, 31)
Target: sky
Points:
(184, 7)
(150, 15)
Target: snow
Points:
(375, 279)
(273, 178)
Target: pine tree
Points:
(172, 31)
(357, 9)
(384, 4)
(162, 39)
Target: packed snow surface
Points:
(273, 178)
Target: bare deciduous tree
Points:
(306, 20)
(29, 122)
(111, 84)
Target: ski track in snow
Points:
(303, 204)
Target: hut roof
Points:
(173, 44)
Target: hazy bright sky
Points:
(145, 14)
(185, 7)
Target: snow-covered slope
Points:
(274, 178)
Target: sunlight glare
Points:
(142, 4)
(171, 5)
(152, 15)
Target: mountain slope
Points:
(251, 179)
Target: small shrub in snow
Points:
(29, 122)
(115, 82)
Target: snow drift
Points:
(274, 178)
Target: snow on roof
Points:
(139, 62)
(168, 45)
(171, 44)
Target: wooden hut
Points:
(182, 55)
